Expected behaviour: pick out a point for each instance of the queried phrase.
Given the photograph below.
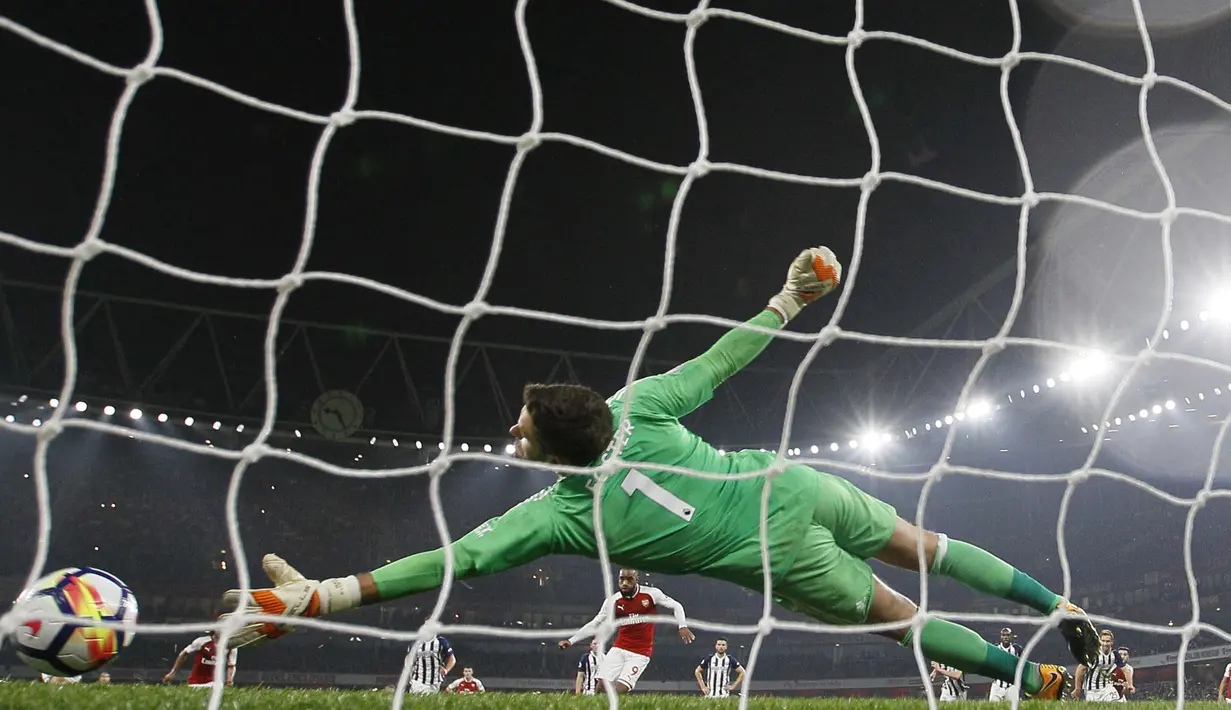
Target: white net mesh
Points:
(149, 69)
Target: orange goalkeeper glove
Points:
(814, 273)
(291, 595)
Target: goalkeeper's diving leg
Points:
(831, 581)
(984, 572)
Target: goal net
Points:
(1129, 362)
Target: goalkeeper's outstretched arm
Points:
(523, 534)
(814, 273)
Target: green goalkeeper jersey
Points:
(653, 520)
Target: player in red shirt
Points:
(634, 644)
(1224, 685)
(1122, 676)
(202, 675)
(467, 684)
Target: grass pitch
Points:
(37, 696)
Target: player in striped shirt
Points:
(1096, 679)
(587, 672)
(1004, 690)
(467, 684)
(952, 685)
(714, 672)
(820, 530)
(429, 663)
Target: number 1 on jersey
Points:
(638, 481)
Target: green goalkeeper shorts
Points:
(830, 580)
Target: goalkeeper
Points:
(821, 528)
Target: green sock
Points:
(946, 642)
(984, 572)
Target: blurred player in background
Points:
(1095, 679)
(821, 529)
(204, 662)
(1224, 685)
(587, 671)
(1122, 676)
(1004, 690)
(952, 682)
(630, 653)
(429, 663)
(715, 671)
(58, 680)
(467, 684)
(104, 678)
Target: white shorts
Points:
(946, 696)
(622, 666)
(1001, 693)
(414, 687)
(1106, 694)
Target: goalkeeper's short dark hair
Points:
(571, 422)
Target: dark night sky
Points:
(208, 184)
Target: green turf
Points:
(20, 695)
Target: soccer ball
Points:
(63, 648)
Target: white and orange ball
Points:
(63, 648)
